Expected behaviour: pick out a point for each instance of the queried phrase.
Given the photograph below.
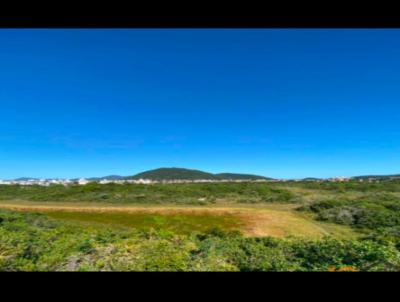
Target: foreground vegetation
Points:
(34, 242)
(78, 240)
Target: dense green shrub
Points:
(361, 255)
(359, 214)
(386, 235)
(186, 193)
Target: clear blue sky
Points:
(281, 103)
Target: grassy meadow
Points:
(295, 226)
(179, 223)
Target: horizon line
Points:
(278, 178)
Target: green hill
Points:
(188, 174)
(173, 173)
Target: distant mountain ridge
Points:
(190, 174)
(109, 177)
(170, 174)
(377, 176)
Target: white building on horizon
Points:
(83, 181)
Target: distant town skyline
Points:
(281, 103)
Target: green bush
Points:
(366, 213)
(361, 255)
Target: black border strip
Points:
(201, 22)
